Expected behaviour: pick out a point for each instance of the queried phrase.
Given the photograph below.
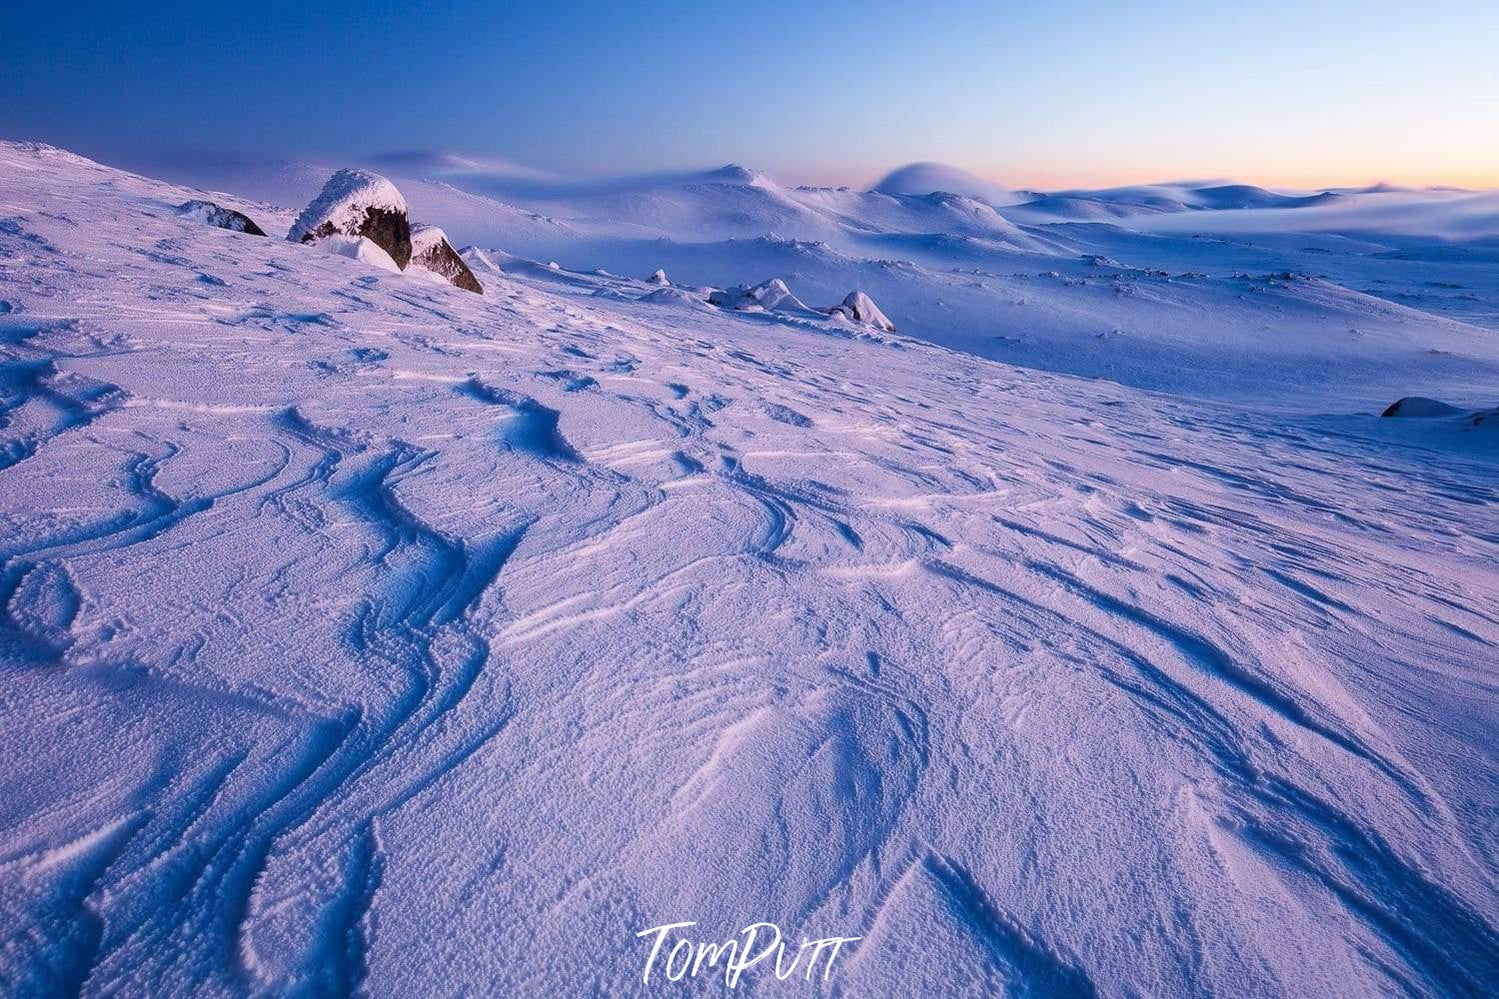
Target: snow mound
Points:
(360, 248)
(768, 296)
(860, 308)
(479, 259)
(356, 202)
(431, 252)
(219, 217)
(671, 296)
(1417, 407)
(930, 178)
(733, 173)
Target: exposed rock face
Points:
(1416, 406)
(358, 203)
(431, 251)
(219, 217)
(768, 296)
(860, 308)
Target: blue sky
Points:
(1039, 95)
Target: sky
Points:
(1037, 95)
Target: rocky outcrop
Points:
(860, 308)
(431, 252)
(358, 203)
(219, 217)
(768, 296)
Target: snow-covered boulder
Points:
(358, 203)
(219, 217)
(360, 248)
(860, 308)
(431, 252)
(659, 279)
(1416, 406)
(768, 296)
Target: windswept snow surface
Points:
(362, 634)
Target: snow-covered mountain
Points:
(363, 634)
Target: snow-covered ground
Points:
(1300, 301)
(365, 634)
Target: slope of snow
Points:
(1448, 215)
(1268, 338)
(361, 634)
(1364, 318)
(1241, 208)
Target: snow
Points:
(424, 237)
(767, 296)
(364, 635)
(1415, 406)
(860, 308)
(358, 248)
(344, 201)
(209, 213)
(1369, 315)
(926, 178)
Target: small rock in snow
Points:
(768, 296)
(219, 217)
(860, 308)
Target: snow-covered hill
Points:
(1324, 302)
(363, 634)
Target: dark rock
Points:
(431, 251)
